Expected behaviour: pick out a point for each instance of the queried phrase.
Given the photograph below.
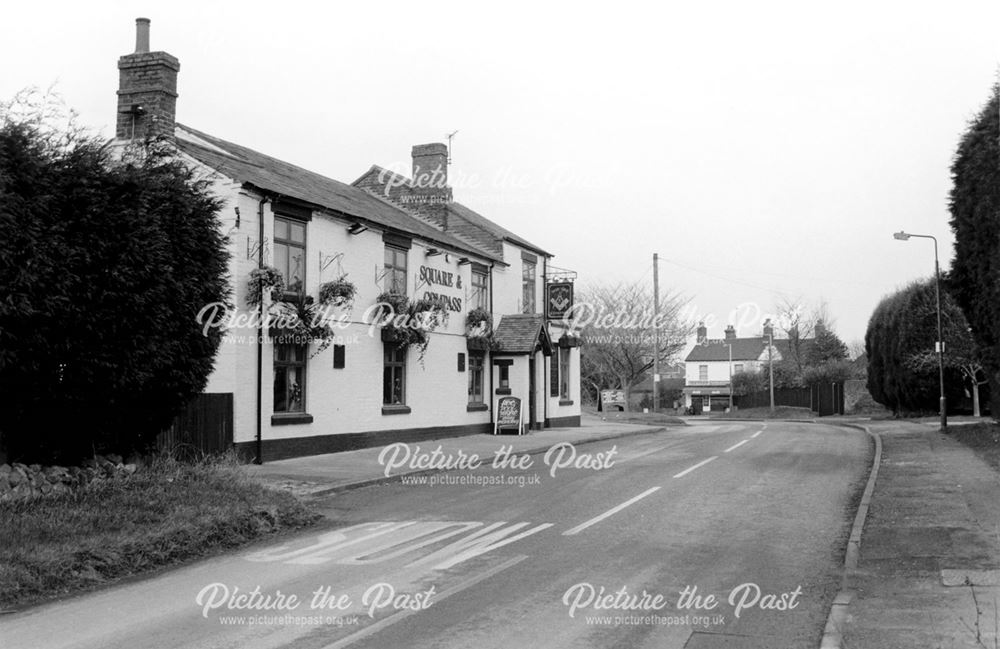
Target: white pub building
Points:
(385, 234)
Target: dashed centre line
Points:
(614, 510)
(736, 446)
(696, 466)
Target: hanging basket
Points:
(339, 292)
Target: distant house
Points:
(712, 362)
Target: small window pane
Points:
(280, 229)
(281, 259)
(298, 233)
(280, 390)
(296, 270)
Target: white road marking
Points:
(373, 543)
(736, 446)
(610, 512)
(692, 468)
(374, 628)
(757, 433)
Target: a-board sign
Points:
(508, 415)
(612, 400)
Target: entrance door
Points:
(532, 423)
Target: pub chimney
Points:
(730, 332)
(702, 332)
(147, 90)
(430, 182)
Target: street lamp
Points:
(730, 346)
(939, 345)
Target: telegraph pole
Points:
(656, 332)
(770, 359)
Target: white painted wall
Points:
(349, 400)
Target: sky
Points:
(766, 151)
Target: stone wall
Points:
(22, 481)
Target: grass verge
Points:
(165, 513)
(983, 438)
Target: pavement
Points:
(928, 572)
(318, 475)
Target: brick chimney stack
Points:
(730, 332)
(147, 90)
(430, 182)
(702, 332)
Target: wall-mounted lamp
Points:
(464, 261)
(432, 252)
(356, 228)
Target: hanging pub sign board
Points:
(612, 400)
(558, 299)
(508, 415)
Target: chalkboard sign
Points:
(612, 400)
(508, 415)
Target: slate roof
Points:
(267, 173)
(744, 349)
(519, 333)
(463, 222)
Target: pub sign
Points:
(558, 299)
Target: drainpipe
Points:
(546, 385)
(489, 352)
(260, 338)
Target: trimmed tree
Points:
(975, 220)
(105, 264)
(902, 363)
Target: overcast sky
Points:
(764, 150)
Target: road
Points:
(721, 534)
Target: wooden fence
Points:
(825, 399)
(204, 426)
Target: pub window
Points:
(476, 378)
(289, 378)
(395, 270)
(553, 378)
(394, 376)
(528, 286)
(564, 373)
(703, 372)
(480, 290)
(290, 253)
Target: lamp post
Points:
(939, 345)
(730, 346)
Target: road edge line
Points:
(837, 618)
